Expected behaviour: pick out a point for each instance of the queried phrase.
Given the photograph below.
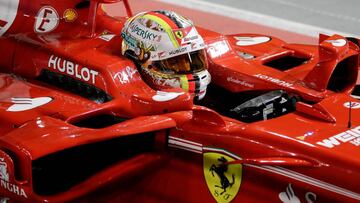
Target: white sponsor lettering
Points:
(274, 80)
(329, 143)
(353, 105)
(352, 136)
(218, 49)
(356, 142)
(143, 32)
(126, 75)
(344, 137)
(4, 180)
(72, 69)
(192, 38)
(240, 82)
(47, 20)
(178, 51)
(8, 12)
(13, 188)
(289, 196)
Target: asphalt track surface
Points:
(217, 22)
(292, 20)
(337, 15)
(334, 15)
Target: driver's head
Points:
(169, 50)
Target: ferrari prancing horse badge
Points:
(223, 180)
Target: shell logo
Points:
(70, 15)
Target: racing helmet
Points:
(169, 51)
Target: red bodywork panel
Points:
(78, 123)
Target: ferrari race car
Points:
(79, 124)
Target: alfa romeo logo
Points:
(223, 180)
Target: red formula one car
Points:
(78, 122)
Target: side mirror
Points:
(94, 5)
(126, 4)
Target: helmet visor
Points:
(183, 64)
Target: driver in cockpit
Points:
(168, 50)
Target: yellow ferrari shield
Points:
(179, 34)
(222, 180)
